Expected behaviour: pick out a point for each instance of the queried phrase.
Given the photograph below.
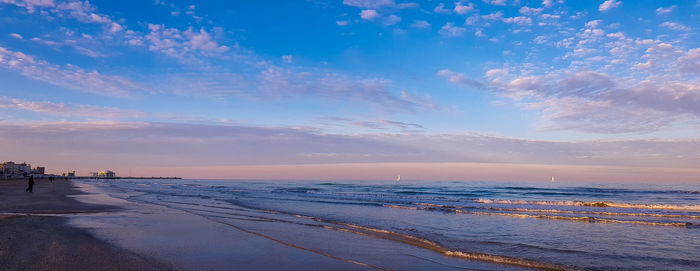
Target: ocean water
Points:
(547, 226)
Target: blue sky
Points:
(382, 81)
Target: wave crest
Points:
(694, 208)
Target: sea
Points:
(538, 225)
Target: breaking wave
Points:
(694, 208)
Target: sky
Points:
(595, 90)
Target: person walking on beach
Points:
(30, 188)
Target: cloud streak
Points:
(70, 110)
(278, 82)
(70, 76)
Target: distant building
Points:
(103, 174)
(39, 170)
(13, 169)
(106, 174)
(69, 174)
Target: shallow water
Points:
(535, 225)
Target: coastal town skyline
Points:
(602, 90)
(13, 170)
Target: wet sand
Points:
(194, 235)
(34, 234)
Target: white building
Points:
(12, 169)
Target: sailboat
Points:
(398, 178)
(552, 178)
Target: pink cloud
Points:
(70, 110)
(191, 146)
(369, 14)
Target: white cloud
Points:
(440, 8)
(593, 24)
(369, 4)
(662, 11)
(288, 59)
(459, 78)
(115, 27)
(81, 11)
(450, 30)
(690, 61)
(407, 5)
(472, 20)
(45, 42)
(202, 41)
(496, 2)
(548, 16)
(421, 24)
(520, 20)
(392, 20)
(17, 36)
(609, 4)
(530, 11)
(30, 5)
(547, 3)
(540, 39)
(98, 18)
(175, 43)
(645, 65)
(494, 73)
(462, 9)
(342, 23)
(84, 12)
(369, 14)
(493, 16)
(676, 26)
(617, 35)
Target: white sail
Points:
(552, 178)
(398, 178)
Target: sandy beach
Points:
(73, 225)
(32, 237)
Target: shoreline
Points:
(194, 235)
(35, 233)
(67, 225)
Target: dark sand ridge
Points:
(31, 238)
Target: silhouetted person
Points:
(51, 179)
(30, 189)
